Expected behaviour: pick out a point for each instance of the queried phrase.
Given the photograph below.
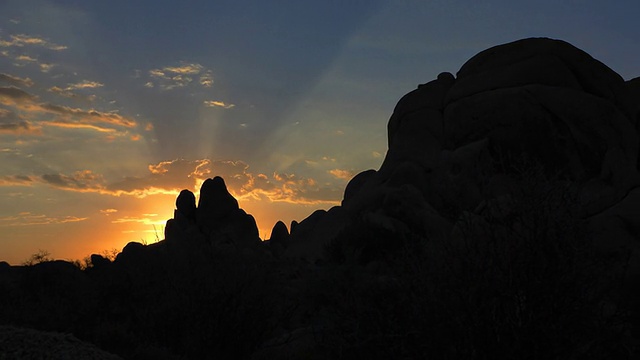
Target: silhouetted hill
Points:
(503, 223)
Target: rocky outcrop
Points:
(215, 202)
(456, 143)
(217, 218)
(186, 205)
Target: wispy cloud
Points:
(206, 79)
(29, 219)
(91, 116)
(147, 219)
(169, 177)
(22, 40)
(82, 181)
(20, 128)
(45, 68)
(342, 174)
(12, 123)
(69, 90)
(25, 58)
(85, 84)
(13, 96)
(72, 95)
(220, 104)
(16, 180)
(185, 69)
(172, 77)
(64, 116)
(26, 49)
(15, 80)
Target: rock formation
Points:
(455, 142)
(218, 218)
(279, 239)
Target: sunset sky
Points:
(109, 108)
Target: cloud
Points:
(215, 103)
(22, 40)
(18, 48)
(241, 183)
(147, 220)
(25, 58)
(342, 174)
(91, 116)
(85, 84)
(13, 96)
(83, 181)
(16, 180)
(63, 116)
(12, 123)
(15, 81)
(73, 125)
(69, 92)
(20, 128)
(279, 187)
(206, 79)
(72, 95)
(166, 177)
(170, 177)
(80, 181)
(172, 77)
(108, 211)
(29, 219)
(185, 69)
(45, 68)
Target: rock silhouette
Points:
(279, 239)
(454, 141)
(217, 217)
(504, 216)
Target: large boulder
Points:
(539, 61)
(215, 201)
(186, 204)
(279, 239)
(217, 218)
(456, 143)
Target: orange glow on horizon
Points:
(146, 218)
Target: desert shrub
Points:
(37, 258)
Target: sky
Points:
(109, 108)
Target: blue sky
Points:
(109, 108)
